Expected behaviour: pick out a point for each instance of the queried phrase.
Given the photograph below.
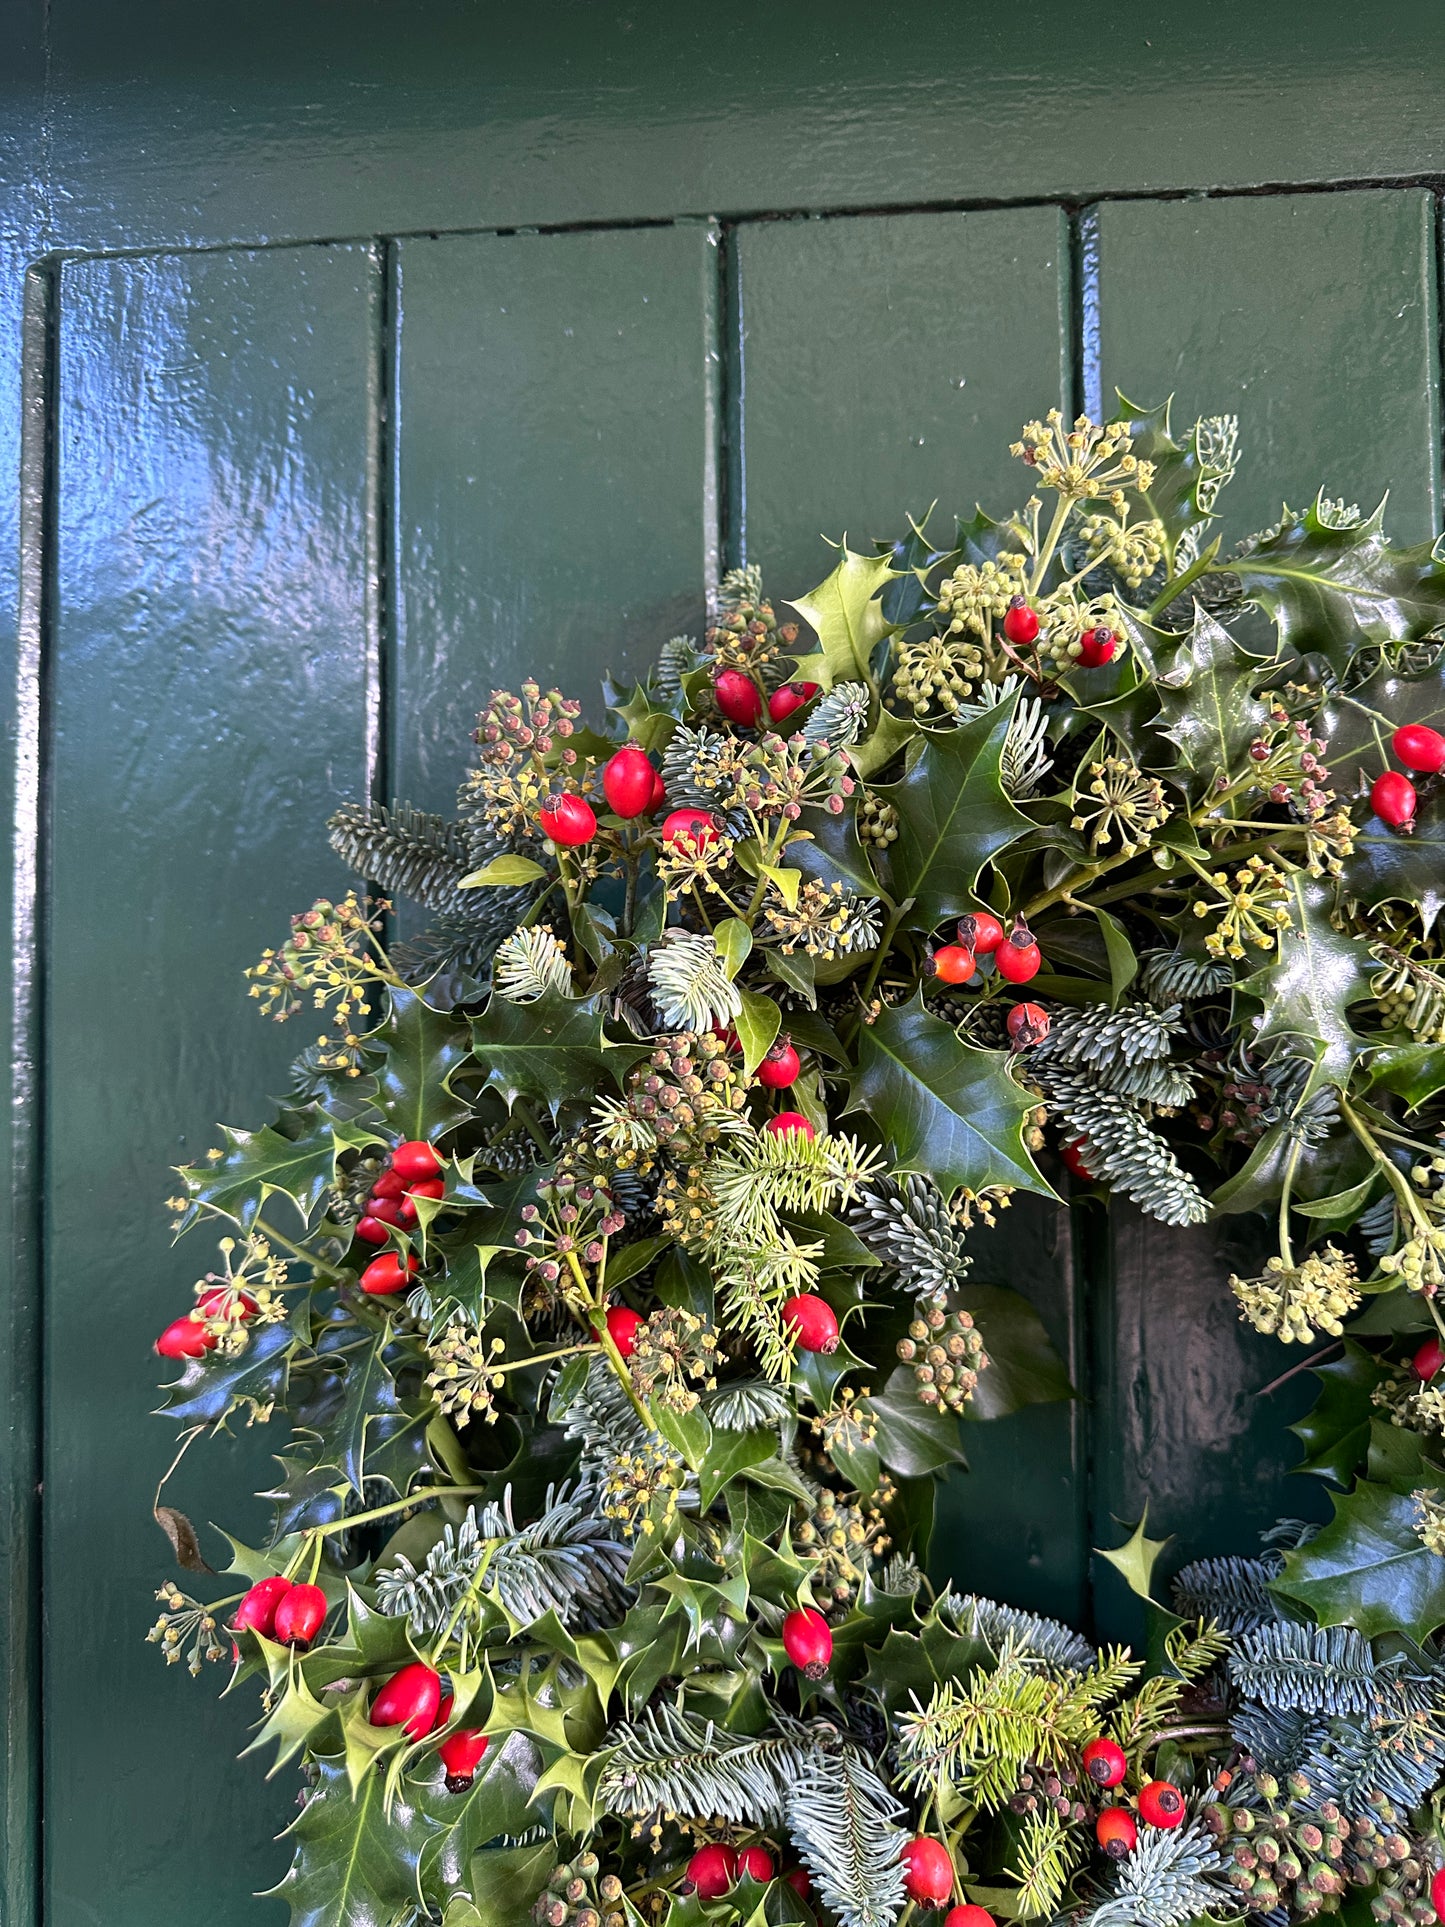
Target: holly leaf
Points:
(295, 1158)
(1136, 1558)
(497, 1802)
(552, 1050)
(913, 1439)
(1412, 1071)
(356, 1864)
(832, 851)
(1207, 705)
(1335, 1432)
(1023, 1367)
(1306, 988)
(1357, 740)
(1368, 1568)
(947, 1110)
(1391, 866)
(848, 617)
(210, 1388)
(424, 1047)
(953, 817)
(1333, 591)
(1173, 495)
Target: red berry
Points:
(1020, 623)
(1104, 1762)
(808, 1641)
(968, 1916)
(1161, 1804)
(461, 1754)
(927, 1871)
(755, 1863)
(1027, 1025)
(779, 1069)
(411, 1699)
(425, 1188)
(1116, 1832)
(981, 932)
(738, 697)
(1073, 1155)
(1419, 747)
(811, 1317)
(1393, 799)
(791, 696)
(257, 1610)
(371, 1231)
(622, 1326)
(713, 1869)
(787, 1121)
(952, 964)
(1437, 1892)
(299, 1615)
(659, 793)
(627, 781)
(568, 819)
(696, 825)
(391, 1184)
(185, 1338)
(1428, 1360)
(1096, 647)
(800, 1881)
(413, 1160)
(1018, 957)
(387, 1274)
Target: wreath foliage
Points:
(607, 1267)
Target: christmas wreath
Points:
(608, 1264)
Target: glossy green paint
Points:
(212, 640)
(289, 514)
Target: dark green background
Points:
(355, 355)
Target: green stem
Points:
(544, 1358)
(1177, 584)
(1291, 1166)
(421, 1497)
(473, 1587)
(885, 944)
(1051, 542)
(270, 1232)
(1080, 880)
(608, 1344)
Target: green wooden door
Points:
(353, 365)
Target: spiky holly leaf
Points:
(371, 1417)
(1357, 727)
(953, 817)
(1307, 986)
(913, 1439)
(356, 1864)
(553, 1049)
(1332, 591)
(1390, 866)
(947, 1110)
(496, 1803)
(295, 1158)
(848, 617)
(1412, 1071)
(1208, 707)
(1137, 1557)
(1023, 1367)
(424, 1047)
(1335, 1432)
(1173, 496)
(210, 1388)
(1368, 1568)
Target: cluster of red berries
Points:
(279, 1609)
(1160, 1803)
(741, 699)
(717, 1867)
(188, 1336)
(1021, 626)
(413, 1171)
(629, 782)
(1393, 797)
(1015, 955)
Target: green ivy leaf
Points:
(424, 1047)
(507, 870)
(913, 1439)
(728, 1454)
(1333, 591)
(1388, 866)
(757, 1025)
(949, 1111)
(355, 1865)
(1023, 1367)
(1335, 1432)
(845, 612)
(953, 817)
(1207, 705)
(295, 1159)
(552, 1050)
(1368, 1568)
(1306, 988)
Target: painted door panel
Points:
(210, 707)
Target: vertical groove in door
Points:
(1437, 256)
(23, 1364)
(380, 496)
(715, 433)
(730, 316)
(1084, 261)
